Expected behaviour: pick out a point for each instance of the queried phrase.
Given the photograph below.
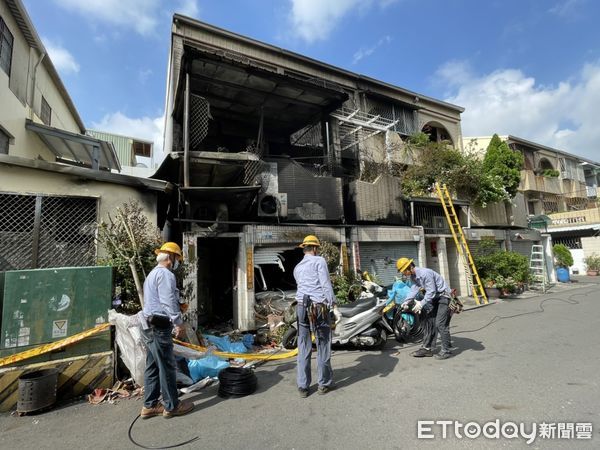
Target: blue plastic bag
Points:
(224, 344)
(209, 366)
(397, 294)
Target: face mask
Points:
(176, 264)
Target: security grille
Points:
(573, 243)
(432, 218)
(39, 231)
(199, 115)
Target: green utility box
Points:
(45, 305)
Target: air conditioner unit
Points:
(272, 205)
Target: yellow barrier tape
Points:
(249, 356)
(52, 346)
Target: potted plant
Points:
(491, 288)
(502, 272)
(592, 263)
(563, 259)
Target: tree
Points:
(503, 164)
(129, 240)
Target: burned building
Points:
(266, 146)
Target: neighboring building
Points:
(558, 194)
(269, 145)
(56, 182)
(135, 155)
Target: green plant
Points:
(331, 253)
(493, 265)
(346, 287)
(562, 255)
(551, 173)
(506, 164)
(592, 262)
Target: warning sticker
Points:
(59, 328)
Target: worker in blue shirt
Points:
(315, 299)
(434, 306)
(162, 316)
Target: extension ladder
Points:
(537, 267)
(473, 280)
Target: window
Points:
(142, 149)
(6, 47)
(46, 112)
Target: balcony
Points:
(575, 218)
(574, 189)
(532, 182)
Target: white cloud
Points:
(137, 14)
(63, 60)
(363, 52)
(148, 128)
(313, 20)
(188, 8)
(144, 75)
(568, 9)
(508, 101)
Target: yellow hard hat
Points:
(310, 240)
(170, 247)
(403, 263)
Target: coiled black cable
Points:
(236, 382)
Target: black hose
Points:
(236, 382)
(156, 448)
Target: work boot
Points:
(422, 353)
(323, 390)
(157, 410)
(303, 392)
(443, 355)
(181, 409)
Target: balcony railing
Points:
(575, 218)
(532, 182)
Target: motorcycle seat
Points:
(356, 307)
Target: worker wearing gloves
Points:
(162, 315)
(434, 306)
(315, 299)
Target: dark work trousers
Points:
(437, 320)
(160, 375)
(323, 337)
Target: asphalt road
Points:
(531, 368)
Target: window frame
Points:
(143, 145)
(6, 43)
(45, 105)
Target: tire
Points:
(290, 338)
(382, 340)
(406, 333)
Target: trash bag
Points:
(224, 344)
(209, 366)
(128, 336)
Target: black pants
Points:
(437, 319)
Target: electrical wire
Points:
(236, 382)
(155, 448)
(540, 309)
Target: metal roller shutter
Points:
(380, 258)
(522, 247)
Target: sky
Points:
(529, 68)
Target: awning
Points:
(77, 149)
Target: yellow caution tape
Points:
(249, 356)
(46, 348)
(52, 346)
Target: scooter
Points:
(360, 323)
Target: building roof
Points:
(20, 15)
(89, 174)
(321, 65)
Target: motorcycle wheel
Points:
(290, 338)
(406, 333)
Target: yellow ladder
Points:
(461, 244)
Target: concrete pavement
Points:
(513, 363)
